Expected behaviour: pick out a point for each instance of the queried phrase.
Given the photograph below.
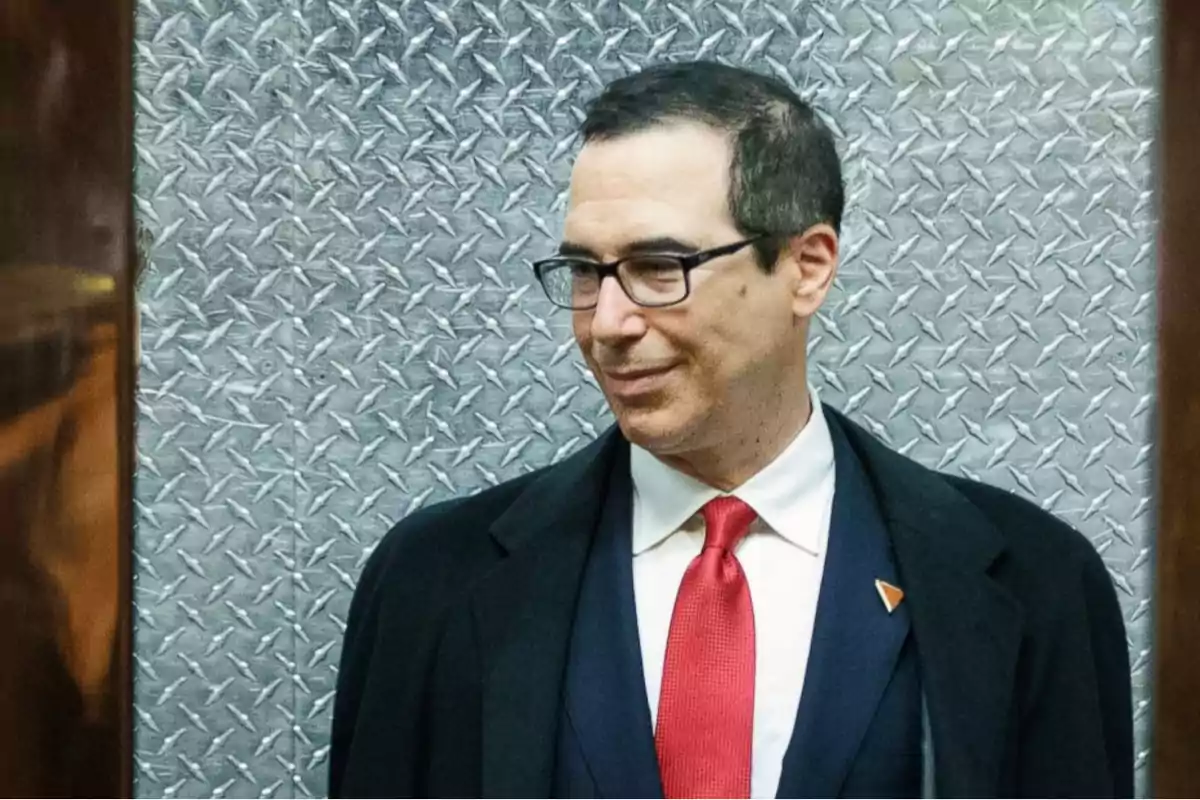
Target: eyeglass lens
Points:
(648, 280)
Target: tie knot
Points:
(726, 521)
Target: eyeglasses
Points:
(651, 281)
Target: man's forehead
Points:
(685, 150)
(656, 164)
(611, 229)
(663, 181)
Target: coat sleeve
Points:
(358, 644)
(1076, 717)
(1073, 730)
(1110, 654)
(393, 627)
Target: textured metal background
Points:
(340, 325)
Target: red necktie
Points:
(705, 728)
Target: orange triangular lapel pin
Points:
(890, 595)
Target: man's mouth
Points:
(629, 382)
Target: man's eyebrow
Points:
(651, 246)
(573, 250)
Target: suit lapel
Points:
(605, 685)
(967, 626)
(855, 643)
(523, 611)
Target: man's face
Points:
(680, 378)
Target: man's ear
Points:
(813, 259)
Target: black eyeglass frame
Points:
(605, 269)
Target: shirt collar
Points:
(784, 493)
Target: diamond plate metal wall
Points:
(340, 326)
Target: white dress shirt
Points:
(783, 557)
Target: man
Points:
(736, 591)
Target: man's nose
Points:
(616, 318)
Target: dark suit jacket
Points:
(452, 665)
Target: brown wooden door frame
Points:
(1176, 712)
(66, 397)
(1176, 706)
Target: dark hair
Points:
(785, 175)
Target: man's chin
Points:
(654, 429)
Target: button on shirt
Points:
(783, 558)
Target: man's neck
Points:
(746, 452)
